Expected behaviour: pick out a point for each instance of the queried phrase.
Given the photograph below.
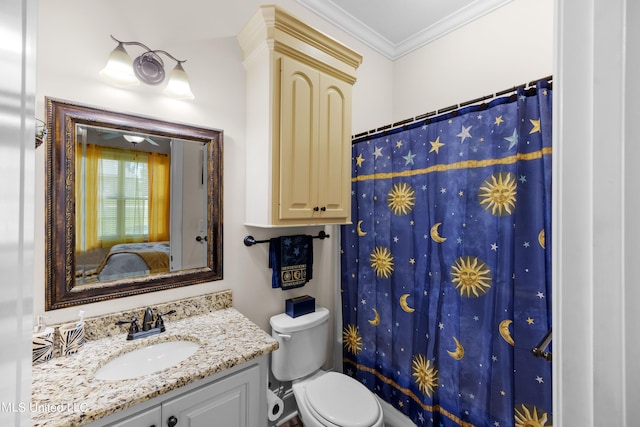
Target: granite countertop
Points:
(66, 393)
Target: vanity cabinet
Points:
(299, 84)
(231, 402)
(148, 418)
(235, 400)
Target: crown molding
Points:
(337, 16)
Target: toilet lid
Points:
(342, 400)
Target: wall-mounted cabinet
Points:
(299, 85)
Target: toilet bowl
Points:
(331, 399)
(324, 399)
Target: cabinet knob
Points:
(316, 209)
(324, 208)
(172, 421)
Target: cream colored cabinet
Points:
(299, 84)
(315, 128)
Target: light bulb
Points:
(178, 85)
(119, 68)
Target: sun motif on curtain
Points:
(471, 276)
(498, 194)
(352, 339)
(530, 418)
(382, 261)
(401, 199)
(446, 268)
(426, 376)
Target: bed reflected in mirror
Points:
(134, 204)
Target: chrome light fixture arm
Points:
(145, 47)
(148, 68)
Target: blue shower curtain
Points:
(446, 268)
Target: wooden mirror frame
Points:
(62, 120)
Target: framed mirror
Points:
(134, 204)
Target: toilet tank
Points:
(303, 344)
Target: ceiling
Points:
(397, 27)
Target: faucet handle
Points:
(160, 320)
(134, 328)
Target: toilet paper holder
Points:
(275, 406)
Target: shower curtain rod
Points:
(394, 126)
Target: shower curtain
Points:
(446, 268)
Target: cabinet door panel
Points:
(150, 417)
(230, 402)
(334, 181)
(298, 139)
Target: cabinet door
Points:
(233, 401)
(334, 148)
(150, 418)
(299, 92)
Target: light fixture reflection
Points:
(134, 139)
(147, 68)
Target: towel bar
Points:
(250, 240)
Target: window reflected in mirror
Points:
(146, 197)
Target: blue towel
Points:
(291, 259)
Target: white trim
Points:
(572, 284)
(595, 290)
(337, 16)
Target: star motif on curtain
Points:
(359, 160)
(408, 158)
(435, 145)
(464, 134)
(536, 126)
(513, 139)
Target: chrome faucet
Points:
(147, 329)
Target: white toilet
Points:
(325, 399)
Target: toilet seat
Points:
(339, 400)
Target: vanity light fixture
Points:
(147, 68)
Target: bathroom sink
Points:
(146, 360)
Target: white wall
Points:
(17, 86)
(506, 48)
